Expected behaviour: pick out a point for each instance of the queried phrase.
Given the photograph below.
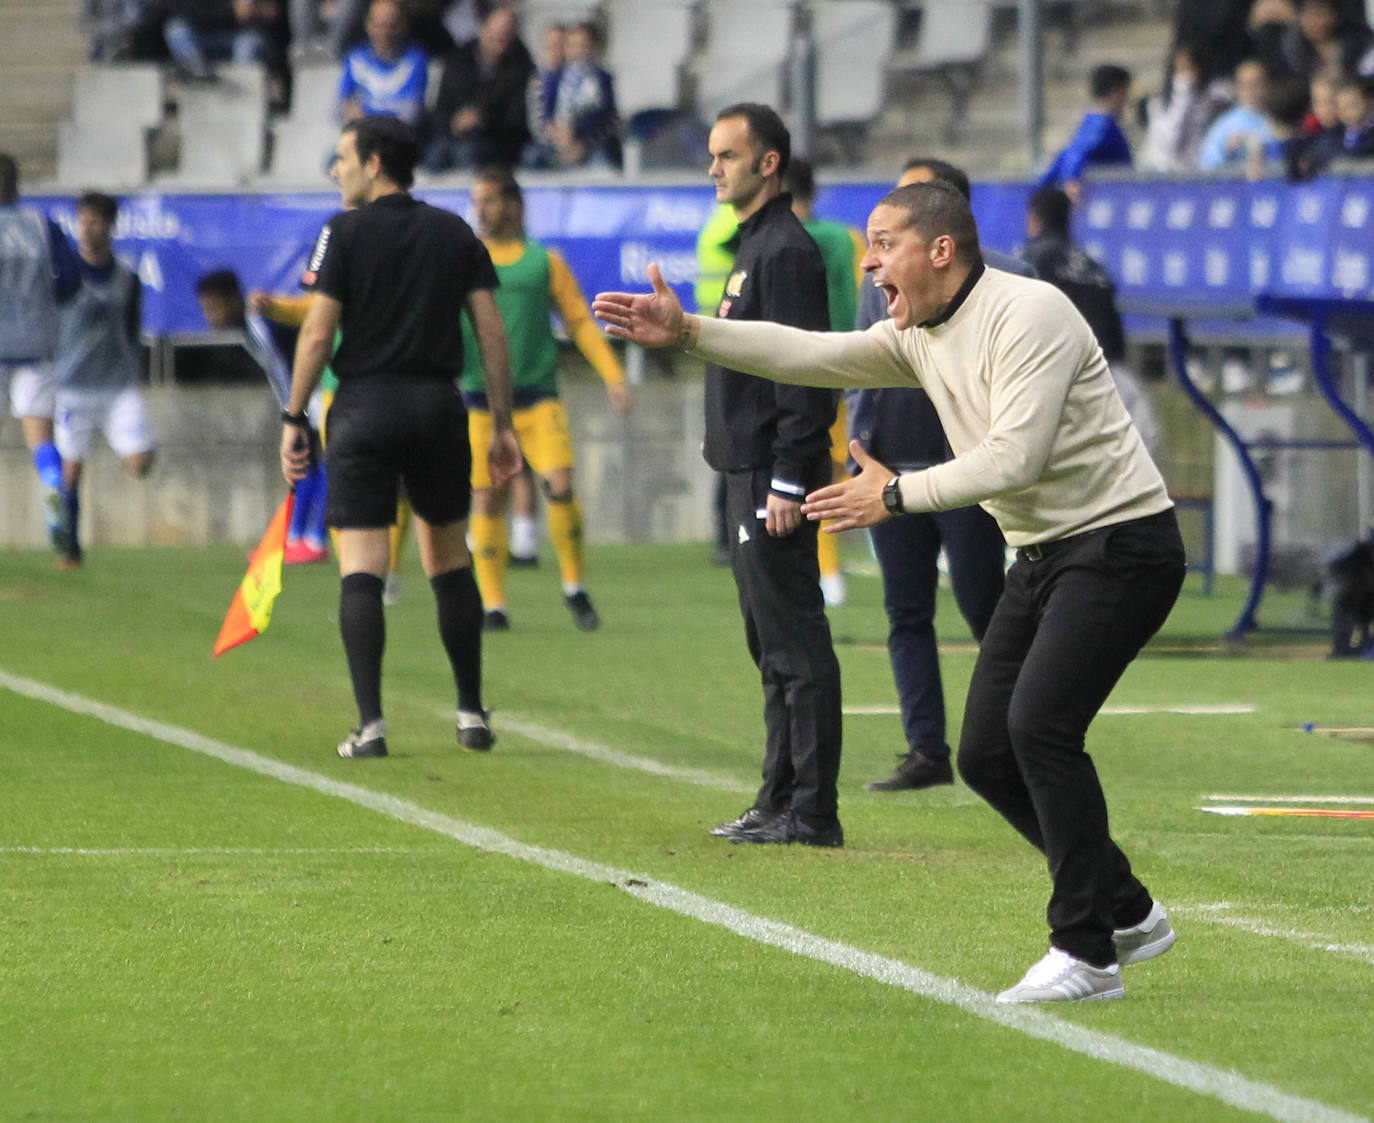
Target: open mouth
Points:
(890, 291)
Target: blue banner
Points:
(1195, 247)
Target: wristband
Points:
(299, 420)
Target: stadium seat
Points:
(953, 40)
(648, 45)
(106, 141)
(746, 46)
(314, 93)
(223, 128)
(854, 39)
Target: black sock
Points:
(73, 517)
(460, 627)
(363, 627)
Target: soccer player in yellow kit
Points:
(535, 282)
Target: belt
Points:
(1041, 550)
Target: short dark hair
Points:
(106, 206)
(937, 208)
(220, 282)
(507, 186)
(800, 180)
(1287, 100)
(1107, 79)
(943, 171)
(766, 130)
(9, 178)
(1051, 208)
(392, 141)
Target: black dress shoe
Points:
(754, 817)
(786, 827)
(915, 770)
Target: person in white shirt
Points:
(1044, 444)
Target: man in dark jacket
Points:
(480, 113)
(772, 442)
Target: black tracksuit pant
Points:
(1068, 624)
(778, 581)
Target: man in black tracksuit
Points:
(773, 444)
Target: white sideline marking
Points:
(560, 739)
(1288, 798)
(1219, 912)
(1222, 1084)
(177, 851)
(1197, 709)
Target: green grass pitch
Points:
(185, 939)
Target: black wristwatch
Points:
(300, 420)
(892, 496)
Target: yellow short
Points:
(839, 435)
(541, 429)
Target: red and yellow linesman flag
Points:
(251, 609)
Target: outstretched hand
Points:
(855, 502)
(650, 319)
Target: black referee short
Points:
(387, 428)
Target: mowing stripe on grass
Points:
(1204, 1079)
(1219, 912)
(1198, 709)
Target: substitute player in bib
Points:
(535, 283)
(99, 361)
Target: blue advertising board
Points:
(1194, 247)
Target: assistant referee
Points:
(391, 276)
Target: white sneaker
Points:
(1059, 977)
(1151, 937)
(832, 588)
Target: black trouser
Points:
(789, 638)
(1067, 626)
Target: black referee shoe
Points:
(584, 615)
(787, 827)
(754, 817)
(914, 771)
(495, 620)
(368, 741)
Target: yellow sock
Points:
(399, 530)
(828, 551)
(489, 558)
(565, 532)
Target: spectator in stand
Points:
(578, 104)
(1353, 138)
(199, 32)
(543, 85)
(1293, 152)
(123, 30)
(1242, 128)
(479, 116)
(1099, 141)
(1321, 114)
(1220, 30)
(1178, 116)
(220, 296)
(1315, 35)
(387, 74)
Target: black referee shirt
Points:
(403, 271)
(751, 423)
